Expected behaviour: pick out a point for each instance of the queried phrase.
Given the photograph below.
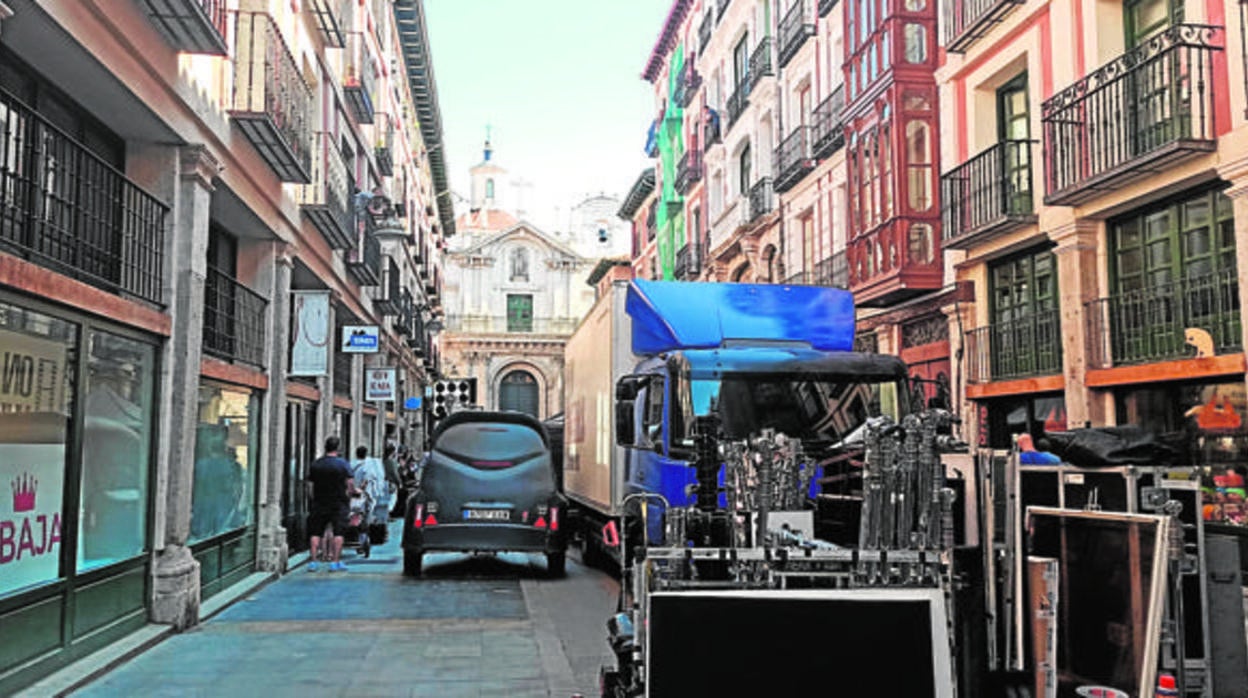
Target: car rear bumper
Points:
(485, 538)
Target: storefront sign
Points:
(413, 403)
(30, 512)
(361, 339)
(32, 374)
(311, 331)
(380, 384)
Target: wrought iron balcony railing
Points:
(364, 261)
(193, 26)
(704, 31)
(688, 262)
(385, 144)
(1020, 348)
(391, 301)
(64, 208)
(234, 320)
(797, 26)
(271, 103)
(492, 324)
(760, 63)
(326, 201)
(987, 195)
(358, 78)
(710, 132)
(1149, 107)
(651, 220)
(687, 86)
(331, 16)
(761, 199)
(965, 21)
(1153, 324)
(832, 271)
(688, 170)
(738, 101)
(793, 158)
(825, 6)
(827, 127)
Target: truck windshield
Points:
(825, 412)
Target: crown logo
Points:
(24, 487)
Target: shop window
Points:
(37, 358)
(519, 313)
(116, 449)
(226, 460)
(1001, 420)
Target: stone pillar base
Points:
(176, 583)
(273, 552)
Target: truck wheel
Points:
(411, 562)
(556, 563)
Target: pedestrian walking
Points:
(331, 484)
(370, 479)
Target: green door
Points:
(519, 313)
(1157, 110)
(1014, 130)
(518, 392)
(1026, 340)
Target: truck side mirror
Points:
(624, 433)
(628, 387)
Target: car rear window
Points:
(490, 445)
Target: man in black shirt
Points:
(331, 484)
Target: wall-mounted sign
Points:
(381, 384)
(361, 339)
(412, 403)
(309, 354)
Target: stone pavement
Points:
(471, 626)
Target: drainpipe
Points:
(780, 94)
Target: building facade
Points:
(198, 197)
(517, 293)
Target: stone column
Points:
(175, 583)
(274, 279)
(1078, 283)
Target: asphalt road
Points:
(470, 626)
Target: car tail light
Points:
(430, 520)
(554, 518)
(418, 516)
(540, 523)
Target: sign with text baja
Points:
(381, 384)
(361, 339)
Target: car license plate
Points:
(487, 514)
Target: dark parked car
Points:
(488, 485)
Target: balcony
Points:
(364, 261)
(832, 271)
(63, 208)
(688, 263)
(825, 6)
(793, 159)
(1151, 324)
(988, 195)
(738, 102)
(689, 170)
(760, 63)
(234, 319)
(406, 314)
(710, 132)
(358, 78)
(827, 129)
(391, 303)
(497, 324)
(704, 31)
(687, 86)
(191, 26)
(1133, 117)
(385, 144)
(651, 221)
(894, 262)
(797, 26)
(762, 199)
(271, 103)
(1021, 348)
(331, 16)
(966, 21)
(326, 201)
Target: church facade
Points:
(513, 294)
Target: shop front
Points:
(223, 495)
(76, 462)
(300, 451)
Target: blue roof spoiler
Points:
(674, 315)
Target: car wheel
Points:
(556, 563)
(411, 562)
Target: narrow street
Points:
(471, 626)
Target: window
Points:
(1147, 18)
(919, 163)
(1014, 125)
(226, 459)
(519, 312)
(916, 43)
(1025, 337)
(489, 188)
(741, 61)
(744, 171)
(1186, 239)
